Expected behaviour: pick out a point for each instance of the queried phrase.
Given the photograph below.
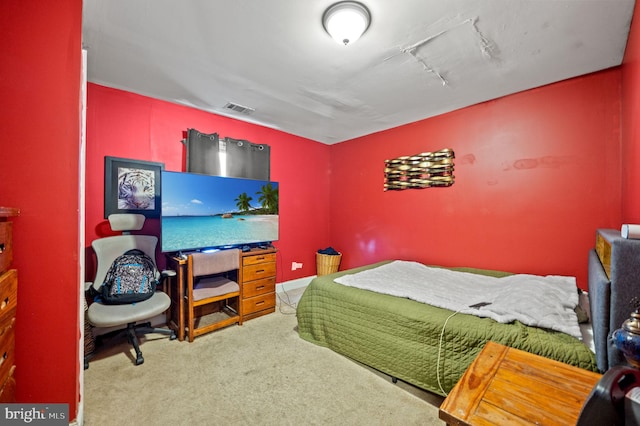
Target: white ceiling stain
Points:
(418, 59)
(487, 47)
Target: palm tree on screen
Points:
(269, 198)
(243, 202)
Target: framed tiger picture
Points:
(131, 186)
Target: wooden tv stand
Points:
(256, 276)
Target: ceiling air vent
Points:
(239, 108)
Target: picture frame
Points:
(132, 186)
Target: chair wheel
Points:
(139, 360)
(173, 336)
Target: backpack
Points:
(130, 278)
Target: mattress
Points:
(426, 346)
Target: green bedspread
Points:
(405, 339)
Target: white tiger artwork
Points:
(136, 189)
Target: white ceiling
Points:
(418, 59)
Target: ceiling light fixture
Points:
(346, 21)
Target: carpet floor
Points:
(260, 373)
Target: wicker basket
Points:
(327, 263)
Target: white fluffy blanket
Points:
(540, 301)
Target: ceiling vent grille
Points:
(239, 108)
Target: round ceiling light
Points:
(346, 21)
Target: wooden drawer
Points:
(258, 271)
(7, 349)
(8, 388)
(258, 258)
(8, 294)
(264, 302)
(603, 249)
(258, 280)
(258, 287)
(6, 247)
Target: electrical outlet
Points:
(296, 265)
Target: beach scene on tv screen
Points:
(201, 211)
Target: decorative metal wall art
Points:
(424, 170)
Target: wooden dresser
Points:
(258, 280)
(8, 306)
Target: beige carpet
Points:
(260, 373)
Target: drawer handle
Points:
(4, 303)
(260, 303)
(260, 271)
(4, 357)
(1, 248)
(260, 287)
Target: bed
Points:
(426, 346)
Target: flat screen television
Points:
(202, 211)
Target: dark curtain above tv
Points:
(202, 153)
(248, 160)
(244, 159)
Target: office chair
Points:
(213, 294)
(130, 315)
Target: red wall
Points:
(39, 168)
(122, 124)
(630, 126)
(536, 174)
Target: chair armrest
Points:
(168, 273)
(164, 276)
(87, 285)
